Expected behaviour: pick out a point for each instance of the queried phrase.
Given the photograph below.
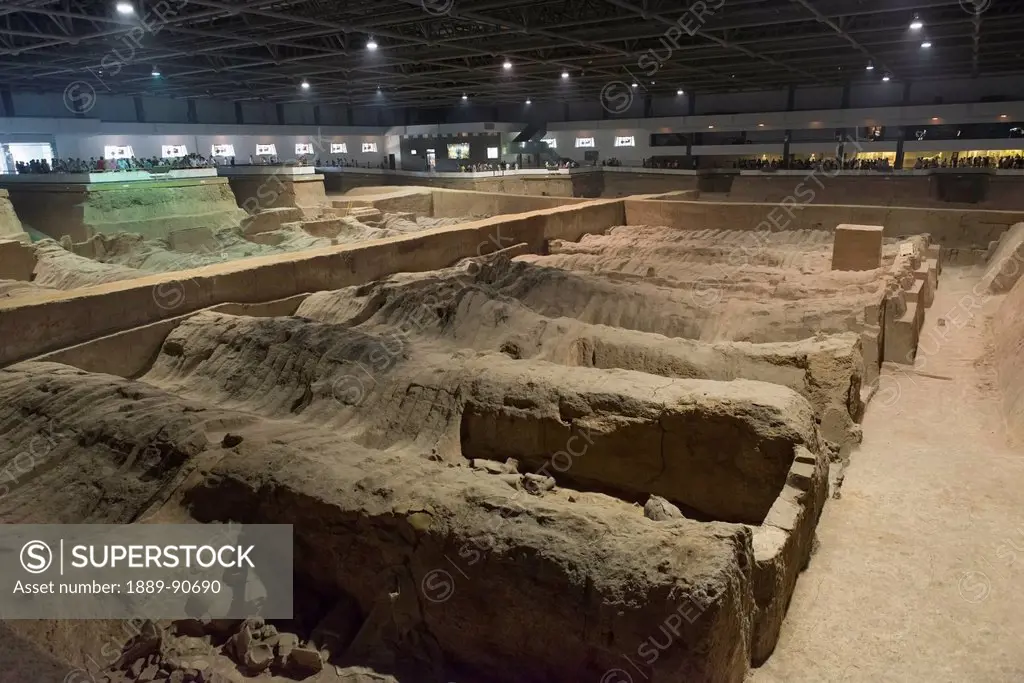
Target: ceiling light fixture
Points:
(507, 65)
(305, 85)
(371, 45)
(529, 101)
(1002, 116)
(916, 24)
(679, 92)
(711, 125)
(870, 67)
(565, 74)
(156, 72)
(886, 78)
(635, 85)
(760, 125)
(926, 44)
(125, 8)
(465, 96)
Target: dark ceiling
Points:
(431, 52)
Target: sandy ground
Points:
(917, 576)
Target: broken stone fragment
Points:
(491, 466)
(537, 483)
(420, 521)
(239, 644)
(283, 644)
(302, 662)
(258, 658)
(660, 510)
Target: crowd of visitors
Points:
(881, 164)
(485, 167)
(662, 163)
(1006, 162)
(343, 162)
(94, 165)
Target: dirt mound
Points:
(123, 256)
(1008, 334)
(461, 308)
(377, 523)
(1007, 261)
(58, 268)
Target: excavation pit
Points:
(508, 394)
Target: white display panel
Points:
(369, 147)
(492, 152)
(303, 148)
(173, 151)
(551, 142)
(458, 150)
(584, 142)
(223, 150)
(339, 148)
(118, 152)
(625, 141)
(266, 150)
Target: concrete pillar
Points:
(898, 165)
(6, 102)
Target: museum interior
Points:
(410, 282)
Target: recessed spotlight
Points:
(870, 67)
(565, 74)
(305, 85)
(371, 45)
(886, 78)
(507, 65)
(529, 101)
(926, 44)
(679, 92)
(125, 8)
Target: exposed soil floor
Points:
(391, 422)
(110, 258)
(919, 570)
(402, 415)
